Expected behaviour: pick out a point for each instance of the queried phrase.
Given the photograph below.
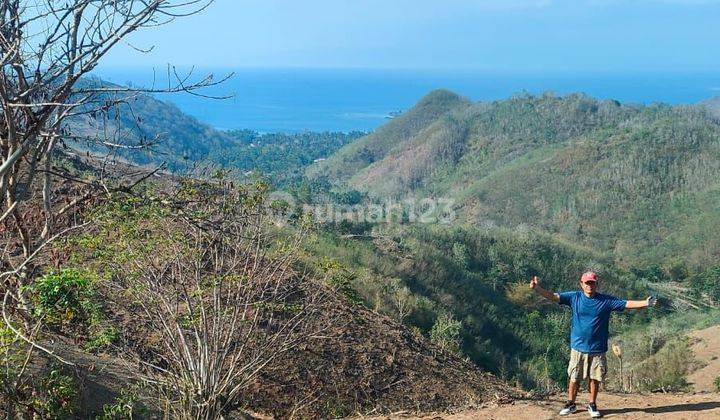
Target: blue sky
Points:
(515, 35)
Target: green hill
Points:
(638, 182)
(182, 141)
(377, 145)
(281, 158)
(177, 138)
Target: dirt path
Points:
(613, 406)
(703, 404)
(707, 350)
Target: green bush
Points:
(341, 279)
(126, 405)
(717, 384)
(101, 338)
(64, 296)
(707, 283)
(667, 369)
(446, 333)
(66, 300)
(60, 394)
(47, 396)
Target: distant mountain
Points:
(377, 145)
(144, 119)
(639, 182)
(181, 140)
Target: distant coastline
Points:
(344, 100)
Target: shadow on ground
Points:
(665, 409)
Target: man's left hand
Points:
(651, 301)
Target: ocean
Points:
(295, 100)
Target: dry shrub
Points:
(647, 370)
(215, 292)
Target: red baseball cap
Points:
(589, 276)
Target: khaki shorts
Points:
(584, 365)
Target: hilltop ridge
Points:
(635, 181)
(376, 145)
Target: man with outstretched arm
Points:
(589, 334)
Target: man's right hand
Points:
(535, 285)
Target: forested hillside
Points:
(386, 138)
(280, 158)
(193, 265)
(467, 290)
(638, 182)
(176, 137)
(182, 142)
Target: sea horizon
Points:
(288, 100)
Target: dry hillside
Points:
(363, 362)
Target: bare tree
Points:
(48, 49)
(402, 299)
(220, 296)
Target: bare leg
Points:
(594, 388)
(573, 390)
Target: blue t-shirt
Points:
(590, 319)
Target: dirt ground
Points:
(613, 406)
(706, 345)
(704, 403)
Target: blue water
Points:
(292, 100)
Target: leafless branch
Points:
(48, 49)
